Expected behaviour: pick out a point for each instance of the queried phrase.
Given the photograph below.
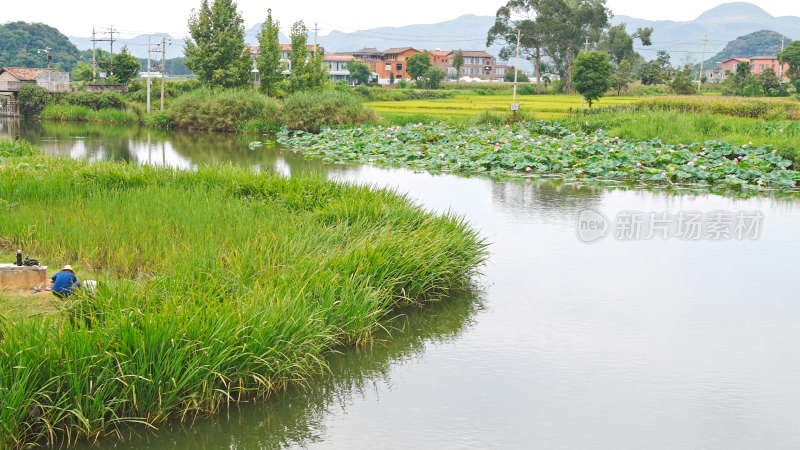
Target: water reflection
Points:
(297, 417)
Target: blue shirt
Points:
(63, 282)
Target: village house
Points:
(12, 78)
(478, 64)
(758, 64)
(337, 66)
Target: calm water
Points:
(657, 344)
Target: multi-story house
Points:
(758, 64)
(477, 64)
(337, 66)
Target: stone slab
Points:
(25, 277)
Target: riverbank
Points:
(216, 285)
(542, 148)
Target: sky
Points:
(76, 18)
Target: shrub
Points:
(158, 119)
(97, 102)
(33, 99)
(309, 111)
(221, 110)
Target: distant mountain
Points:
(137, 46)
(466, 32)
(721, 24)
(683, 40)
(760, 43)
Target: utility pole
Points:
(586, 49)
(702, 60)
(46, 50)
(514, 104)
(94, 59)
(111, 58)
(780, 64)
(316, 30)
(148, 74)
(163, 67)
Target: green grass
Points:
(215, 285)
(75, 113)
(674, 127)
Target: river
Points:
(686, 339)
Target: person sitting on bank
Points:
(64, 282)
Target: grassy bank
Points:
(216, 285)
(675, 127)
(547, 148)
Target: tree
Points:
(359, 71)
(656, 71)
(620, 79)
(592, 73)
(125, 67)
(417, 64)
(298, 57)
(521, 77)
(520, 18)
(432, 77)
(215, 52)
(771, 84)
(269, 60)
(317, 70)
(619, 44)
(458, 62)
(682, 84)
(565, 25)
(791, 55)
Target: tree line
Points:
(217, 55)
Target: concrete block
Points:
(25, 277)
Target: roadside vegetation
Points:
(230, 286)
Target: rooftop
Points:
(25, 73)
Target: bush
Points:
(157, 119)
(77, 113)
(33, 100)
(221, 110)
(97, 102)
(310, 111)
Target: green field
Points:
(463, 107)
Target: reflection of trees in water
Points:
(296, 417)
(544, 197)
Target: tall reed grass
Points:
(216, 285)
(75, 113)
(311, 110)
(221, 110)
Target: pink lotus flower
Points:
(638, 164)
(690, 163)
(527, 169)
(579, 171)
(774, 151)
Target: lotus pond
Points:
(548, 148)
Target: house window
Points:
(760, 67)
(399, 67)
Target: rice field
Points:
(464, 107)
(216, 285)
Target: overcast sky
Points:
(76, 18)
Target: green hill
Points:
(20, 41)
(760, 43)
